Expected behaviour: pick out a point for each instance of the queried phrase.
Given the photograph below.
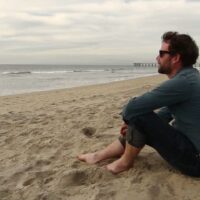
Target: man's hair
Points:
(184, 45)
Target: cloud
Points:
(128, 28)
(196, 1)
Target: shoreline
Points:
(77, 87)
(72, 86)
(42, 133)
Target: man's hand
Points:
(124, 129)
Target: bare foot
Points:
(119, 166)
(112, 150)
(90, 158)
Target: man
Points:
(174, 131)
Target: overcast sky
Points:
(91, 31)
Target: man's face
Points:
(164, 59)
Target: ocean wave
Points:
(90, 70)
(17, 72)
(53, 72)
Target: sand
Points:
(42, 133)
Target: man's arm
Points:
(171, 92)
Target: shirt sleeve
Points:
(173, 91)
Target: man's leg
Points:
(171, 144)
(113, 150)
(126, 161)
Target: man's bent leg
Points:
(126, 161)
(113, 150)
(171, 144)
(135, 141)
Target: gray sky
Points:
(91, 31)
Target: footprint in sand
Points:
(25, 180)
(48, 180)
(105, 194)
(73, 178)
(28, 182)
(42, 164)
(8, 140)
(88, 131)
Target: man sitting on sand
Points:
(173, 131)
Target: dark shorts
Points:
(170, 143)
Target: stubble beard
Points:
(164, 70)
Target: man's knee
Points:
(134, 137)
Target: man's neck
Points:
(174, 72)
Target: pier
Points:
(141, 64)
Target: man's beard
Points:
(164, 70)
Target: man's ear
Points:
(176, 58)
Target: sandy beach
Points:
(42, 133)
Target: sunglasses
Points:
(162, 53)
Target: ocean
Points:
(18, 79)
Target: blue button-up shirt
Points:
(177, 98)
